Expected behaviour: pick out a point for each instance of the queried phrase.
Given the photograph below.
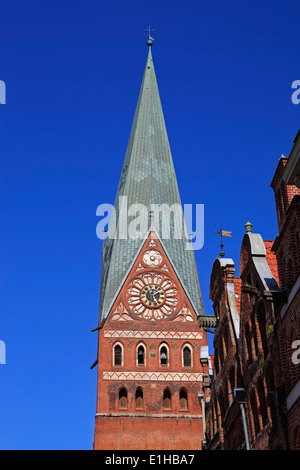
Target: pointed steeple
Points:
(148, 177)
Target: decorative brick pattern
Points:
(161, 369)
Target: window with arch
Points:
(123, 402)
(187, 356)
(262, 401)
(163, 355)
(167, 399)
(254, 413)
(226, 337)
(118, 355)
(248, 344)
(183, 399)
(220, 347)
(262, 328)
(139, 398)
(141, 357)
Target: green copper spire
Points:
(148, 177)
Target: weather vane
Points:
(148, 33)
(223, 233)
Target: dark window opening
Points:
(118, 355)
(187, 357)
(141, 355)
(163, 355)
(183, 402)
(123, 398)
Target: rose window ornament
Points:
(152, 296)
(152, 258)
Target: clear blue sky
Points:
(73, 70)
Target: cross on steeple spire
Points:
(148, 33)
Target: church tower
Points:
(152, 353)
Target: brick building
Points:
(224, 426)
(153, 363)
(255, 391)
(286, 186)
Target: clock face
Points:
(153, 296)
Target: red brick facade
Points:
(287, 250)
(224, 430)
(260, 353)
(150, 378)
(246, 351)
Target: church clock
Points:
(153, 296)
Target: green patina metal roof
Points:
(148, 177)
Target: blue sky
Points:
(73, 70)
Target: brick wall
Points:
(151, 403)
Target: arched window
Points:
(216, 362)
(123, 398)
(262, 401)
(221, 407)
(141, 355)
(118, 355)
(139, 398)
(248, 343)
(187, 356)
(167, 399)
(163, 355)
(221, 351)
(254, 413)
(261, 319)
(183, 399)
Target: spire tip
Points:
(150, 39)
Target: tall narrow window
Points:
(139, 399)
(118, 355)
(183, 399)
(123, 398)
(141, 355)
(262, 401)
(163, 355)
(261, 318)
(254, 414)
(167, 399)
(187, 357)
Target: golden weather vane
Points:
(223, 233)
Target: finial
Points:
(223, 233)
(150, 39)
(248, 227)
